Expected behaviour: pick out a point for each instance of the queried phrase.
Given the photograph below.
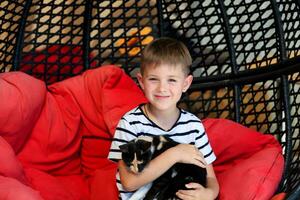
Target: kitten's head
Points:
(136, 154)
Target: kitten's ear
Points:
(145, 145)
(124, 148)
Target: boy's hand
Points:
(187, 153)
(195, 192)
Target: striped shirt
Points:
(187, 129)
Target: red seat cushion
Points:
(11, 189)
(22, 98)
(60, 133)
(71, 187)
(10, 166)
(103, 184)
(249, 164)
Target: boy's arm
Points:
(212, 182)
(184, 153)
(154, 169)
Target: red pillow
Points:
(120, 94)
(22, 98)
(103, 184)
(72, 187)
(249, 164)
(280, 196)
(55, 140)
(11, 189)
(10, 166)
(101, 96)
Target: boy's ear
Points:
(140, 79)
(187, 83)
(124, 148)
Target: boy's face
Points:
(163, 85)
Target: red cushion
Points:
(280, 196)
(70, 63)
(249, 164)
(54, 142)
(103, 184)
(121, 94)
(80, 112)
(89, 106)
(69, 127)
(101, 109)
(11, 189)
(58, 187)
(10, 166)
(93, 153)
(22, 98)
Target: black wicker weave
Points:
(246, 54)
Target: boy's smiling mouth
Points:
(161, 96)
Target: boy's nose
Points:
(162, 86)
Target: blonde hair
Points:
(166, 51)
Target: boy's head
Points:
(165, 73)
(166, 51)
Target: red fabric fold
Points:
(22, 99)
(62, 136)
(249, 164)
(67, 129)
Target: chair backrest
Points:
(246, 53)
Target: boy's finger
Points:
(184, 194)
(193, 185)
(200, 163)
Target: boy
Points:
(164, 77)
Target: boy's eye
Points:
(152, 79)
(172, 80)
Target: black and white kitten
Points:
(137, 154)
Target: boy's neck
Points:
(164, 119)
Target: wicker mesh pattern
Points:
(290, 24)
(200, 22)
(261, 108)
(10, 15)
(253, 33)
(119, 29)
(53, 31)
(212, 103)
(294, 93)
(246, 54)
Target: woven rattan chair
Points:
(246, 54)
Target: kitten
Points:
(137, 154)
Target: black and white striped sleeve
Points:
(202, 143)
(123, 134)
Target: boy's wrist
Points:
(211, 193)
(173, 155)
